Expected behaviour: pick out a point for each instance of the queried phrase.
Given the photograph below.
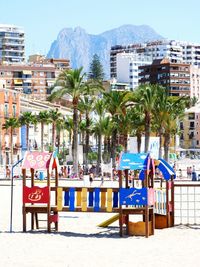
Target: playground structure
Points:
(38, 199)
(164, 196)
(124, 201)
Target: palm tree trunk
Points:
(27, 136)
(58, 138)
(125, 142)
(11, 144)
(42, 136)
(113, 146)
(147, 132)
(53, 135)
(139, 142)
(99, 154)
(166, 146)
(87, 141)
(160, 143)
(75, 140)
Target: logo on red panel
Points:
(35, 194)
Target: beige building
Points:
(35, 78)
(190, 129)
(195, 81)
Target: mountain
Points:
(79, 46)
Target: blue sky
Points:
(43, 19)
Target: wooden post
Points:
(24, 205)
(172, 201)
(49, 204)
(167, 204)
(32, 213)
(120, 206)
(127, 215)
(56, 185)
(146, 216)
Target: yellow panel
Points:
(84, 199)
(109, 200)
(78, 199)
(103, 200)
(17, 81)
(59, 199)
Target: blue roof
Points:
(166, 169)
(131, 161)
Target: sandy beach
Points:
(79, 242)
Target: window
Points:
(14, 110)
(6, 114)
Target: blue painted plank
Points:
(91, 199)
(72, 199)
(96, 199)
(115, 199)
(66, 198)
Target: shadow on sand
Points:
(109, 232)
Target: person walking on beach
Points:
(7, 172)
(194, 174)
(91, 178)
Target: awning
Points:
(17, 81)
(166, 169)
(27, 72)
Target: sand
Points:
(80, 242)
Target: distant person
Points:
(7, 172)
(65, 172)
(180, 173)
(102, 180)
(194, 174)
(36, 175)
(91, 178)
(68, 171)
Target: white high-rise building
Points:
(12, 48)
(175, 51)
(127, 67)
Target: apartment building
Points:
(190, 129)
(12, 47)
(175, 51)
(127, 68)
(60, 64)
(33, 80)
(195, 81)
(9, 107)
(174, 76)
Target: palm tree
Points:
(68, 125)
(54, 116)
(26, 119)
(108, 127)
(59, 128)
(71, 83)
(98, 129)
(116, 105)
(145, 97)
(11, 124)
(43, 118)
(86, 106)
(175, 111)
(137, 120)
